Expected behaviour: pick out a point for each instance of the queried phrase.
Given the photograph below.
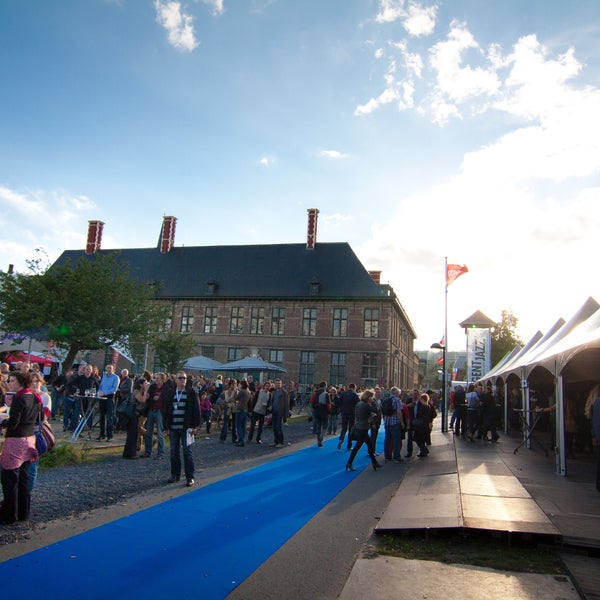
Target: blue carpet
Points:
(199, 545)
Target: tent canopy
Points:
(202, 363)
(251, 363)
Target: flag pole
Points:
(444, 374)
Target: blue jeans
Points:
(33, 469)
(225, 427)
(154, 418)
(277, 428)
(392, 441)
(241, 420)
(333, 423)
(71, 414)
(57, 400)
(177, 437)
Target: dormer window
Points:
(211, 287)
(314, 286)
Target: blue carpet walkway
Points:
(201, 544)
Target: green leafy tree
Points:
(172, 349)
(90, 305)
(504, 337)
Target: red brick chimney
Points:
(311, 239)
(94, 238)
(167, 236)
(376, 276)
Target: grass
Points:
(67, 453)
(478, 549)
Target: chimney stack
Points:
(376, 276)
(167, 237)
(311, 239)
(94, 238)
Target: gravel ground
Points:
(70, 491)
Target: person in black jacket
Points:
(181, 416)
(420, 423)
(19, 448)
(348, 401)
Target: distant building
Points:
(311, 308)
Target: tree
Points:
(87, 306)
(172, 349)
(504, 338)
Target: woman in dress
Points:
(19, 449)
(139, 396)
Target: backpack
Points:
(387, 407)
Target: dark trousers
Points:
(177, 438)
(130, 449)
(17, 498)
(107, 413)
(347, 425)
(362, 437)
(460, 423)
(254, 419)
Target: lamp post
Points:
(438, 346)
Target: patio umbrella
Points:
(251, 363)
(202, 363)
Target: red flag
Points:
(454, 272)
(440, 360)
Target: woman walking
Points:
(362, 422)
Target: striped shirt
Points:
(178, 415)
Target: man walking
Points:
(348, 401)
(182, 416)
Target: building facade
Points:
(311, 308)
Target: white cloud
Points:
(267, 161)
(336, 154)
(56, 219)
(456, 81)
(335, 220)
(417, 20)
(216, 6)
(179, 26)
(420, 20)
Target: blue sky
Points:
(420, 130)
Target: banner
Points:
(454, 272)
(479, 343)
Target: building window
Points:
(166, 325)
(208, 351)
(340, 322)
(309, 321)
(371, 325)
(337, 368)
(236, 323)
(276, 357)
(234, 354)
(257, 320)
(369, 369)
(210, 319)
(307, 368)
(278, 321)
(187, 319)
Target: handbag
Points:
(126, 409)
(48, 434)
(40, 441)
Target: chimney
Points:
(376, 276)
(311, 239)
(94, 238)
(167, 236)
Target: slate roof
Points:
(258, 271)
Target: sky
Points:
(420, 130)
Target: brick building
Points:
(311, 308)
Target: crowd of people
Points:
(153, 407)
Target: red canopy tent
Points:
(34, 357)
